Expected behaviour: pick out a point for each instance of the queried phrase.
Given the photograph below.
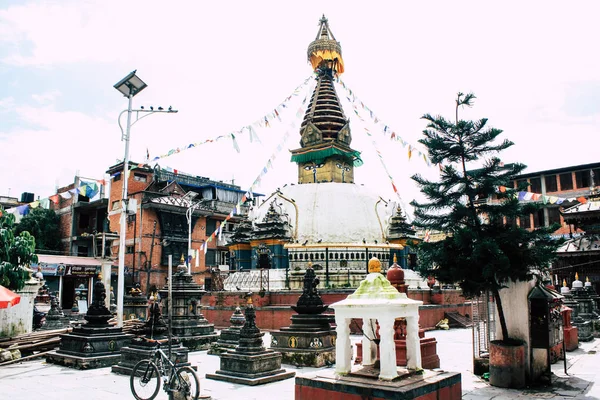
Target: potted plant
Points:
(477, 208)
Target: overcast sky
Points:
(534, 67)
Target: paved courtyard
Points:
(38, 380)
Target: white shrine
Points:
(377, 300)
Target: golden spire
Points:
(587, 278)
(309, 265)
(395, 258)
(564, 283)
(100, 276)
(374, 265)
(576, 276)
(182, 260)
(325, 51)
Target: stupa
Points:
(250, 363)
(144, 344)
(188, 324)
(55, 315)
(94, 344)
(582, 315)
(310, 339)
(229, 338)
(331, 221)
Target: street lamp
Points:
(189, 196)
(129, 87)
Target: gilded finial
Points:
(564, 283)
(587, 278)
(309, 265)
(100, 276)
(182, 260)
(374, 265)
(576, 276)
(395, 258)
(249, 302)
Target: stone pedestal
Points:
(140, 349)
(230, 337)
(95, 344)
(188, 324)
(250, 363)
(309, 340)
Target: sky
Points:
(534, 67)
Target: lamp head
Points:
(130, 85)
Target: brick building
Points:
(157, 225)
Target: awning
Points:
(8, 298)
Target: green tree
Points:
(16, 252)
(484, 247)
(43, 225)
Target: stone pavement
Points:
(38, 380)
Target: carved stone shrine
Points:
(229, 338)
(310, 339)
(188, 324)
(250, 363)
(94, 344)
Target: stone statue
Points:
(98, 314)
(310, 302)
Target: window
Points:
(566, 181)
(84, 221)
(211, 226)
(116, 177)
(536, 185)
(582, 178)
(139, 177)
(551, 185)
(538, 218)
(522, 184)
(553, 216)
(211, 257)
(129, 250)
(116, 205)
(525, 221)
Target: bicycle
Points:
(146, 376)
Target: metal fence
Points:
(483, 318)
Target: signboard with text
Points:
(80, 270)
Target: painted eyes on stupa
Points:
(344, 167)
(312, 166)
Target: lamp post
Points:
(129, 86)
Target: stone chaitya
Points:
(250, 363)
(582, 314)
(143, 345)
(94, 344)
(229, 338)
(310, 339)
(188, 324)
(55, 316)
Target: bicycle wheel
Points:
(144, 380)
(186, 382)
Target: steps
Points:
(456, 320)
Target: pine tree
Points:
(484, 247)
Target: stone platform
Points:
(138, 350)
(248, 369)
(360, 384)
(85, 348)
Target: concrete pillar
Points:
(387, 350)
(343, 347)
(106, 269)
(413, 344)
(369, 348)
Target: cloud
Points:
(47, 97)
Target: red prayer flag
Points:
(582, 200)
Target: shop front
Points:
(72, 277)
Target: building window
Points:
(522, 184)
(566, 181)
(538, 218)
(116, 177)
(536, 185)
(211, 226)
(551, 183)
(140, 177)
(116, 205)
(582, 178)
(129, 249)
(211, 258)
(596, 180)
(553, 216)
(525, 221)
(84, 221)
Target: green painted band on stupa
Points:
(375, 286)
(319, 156)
